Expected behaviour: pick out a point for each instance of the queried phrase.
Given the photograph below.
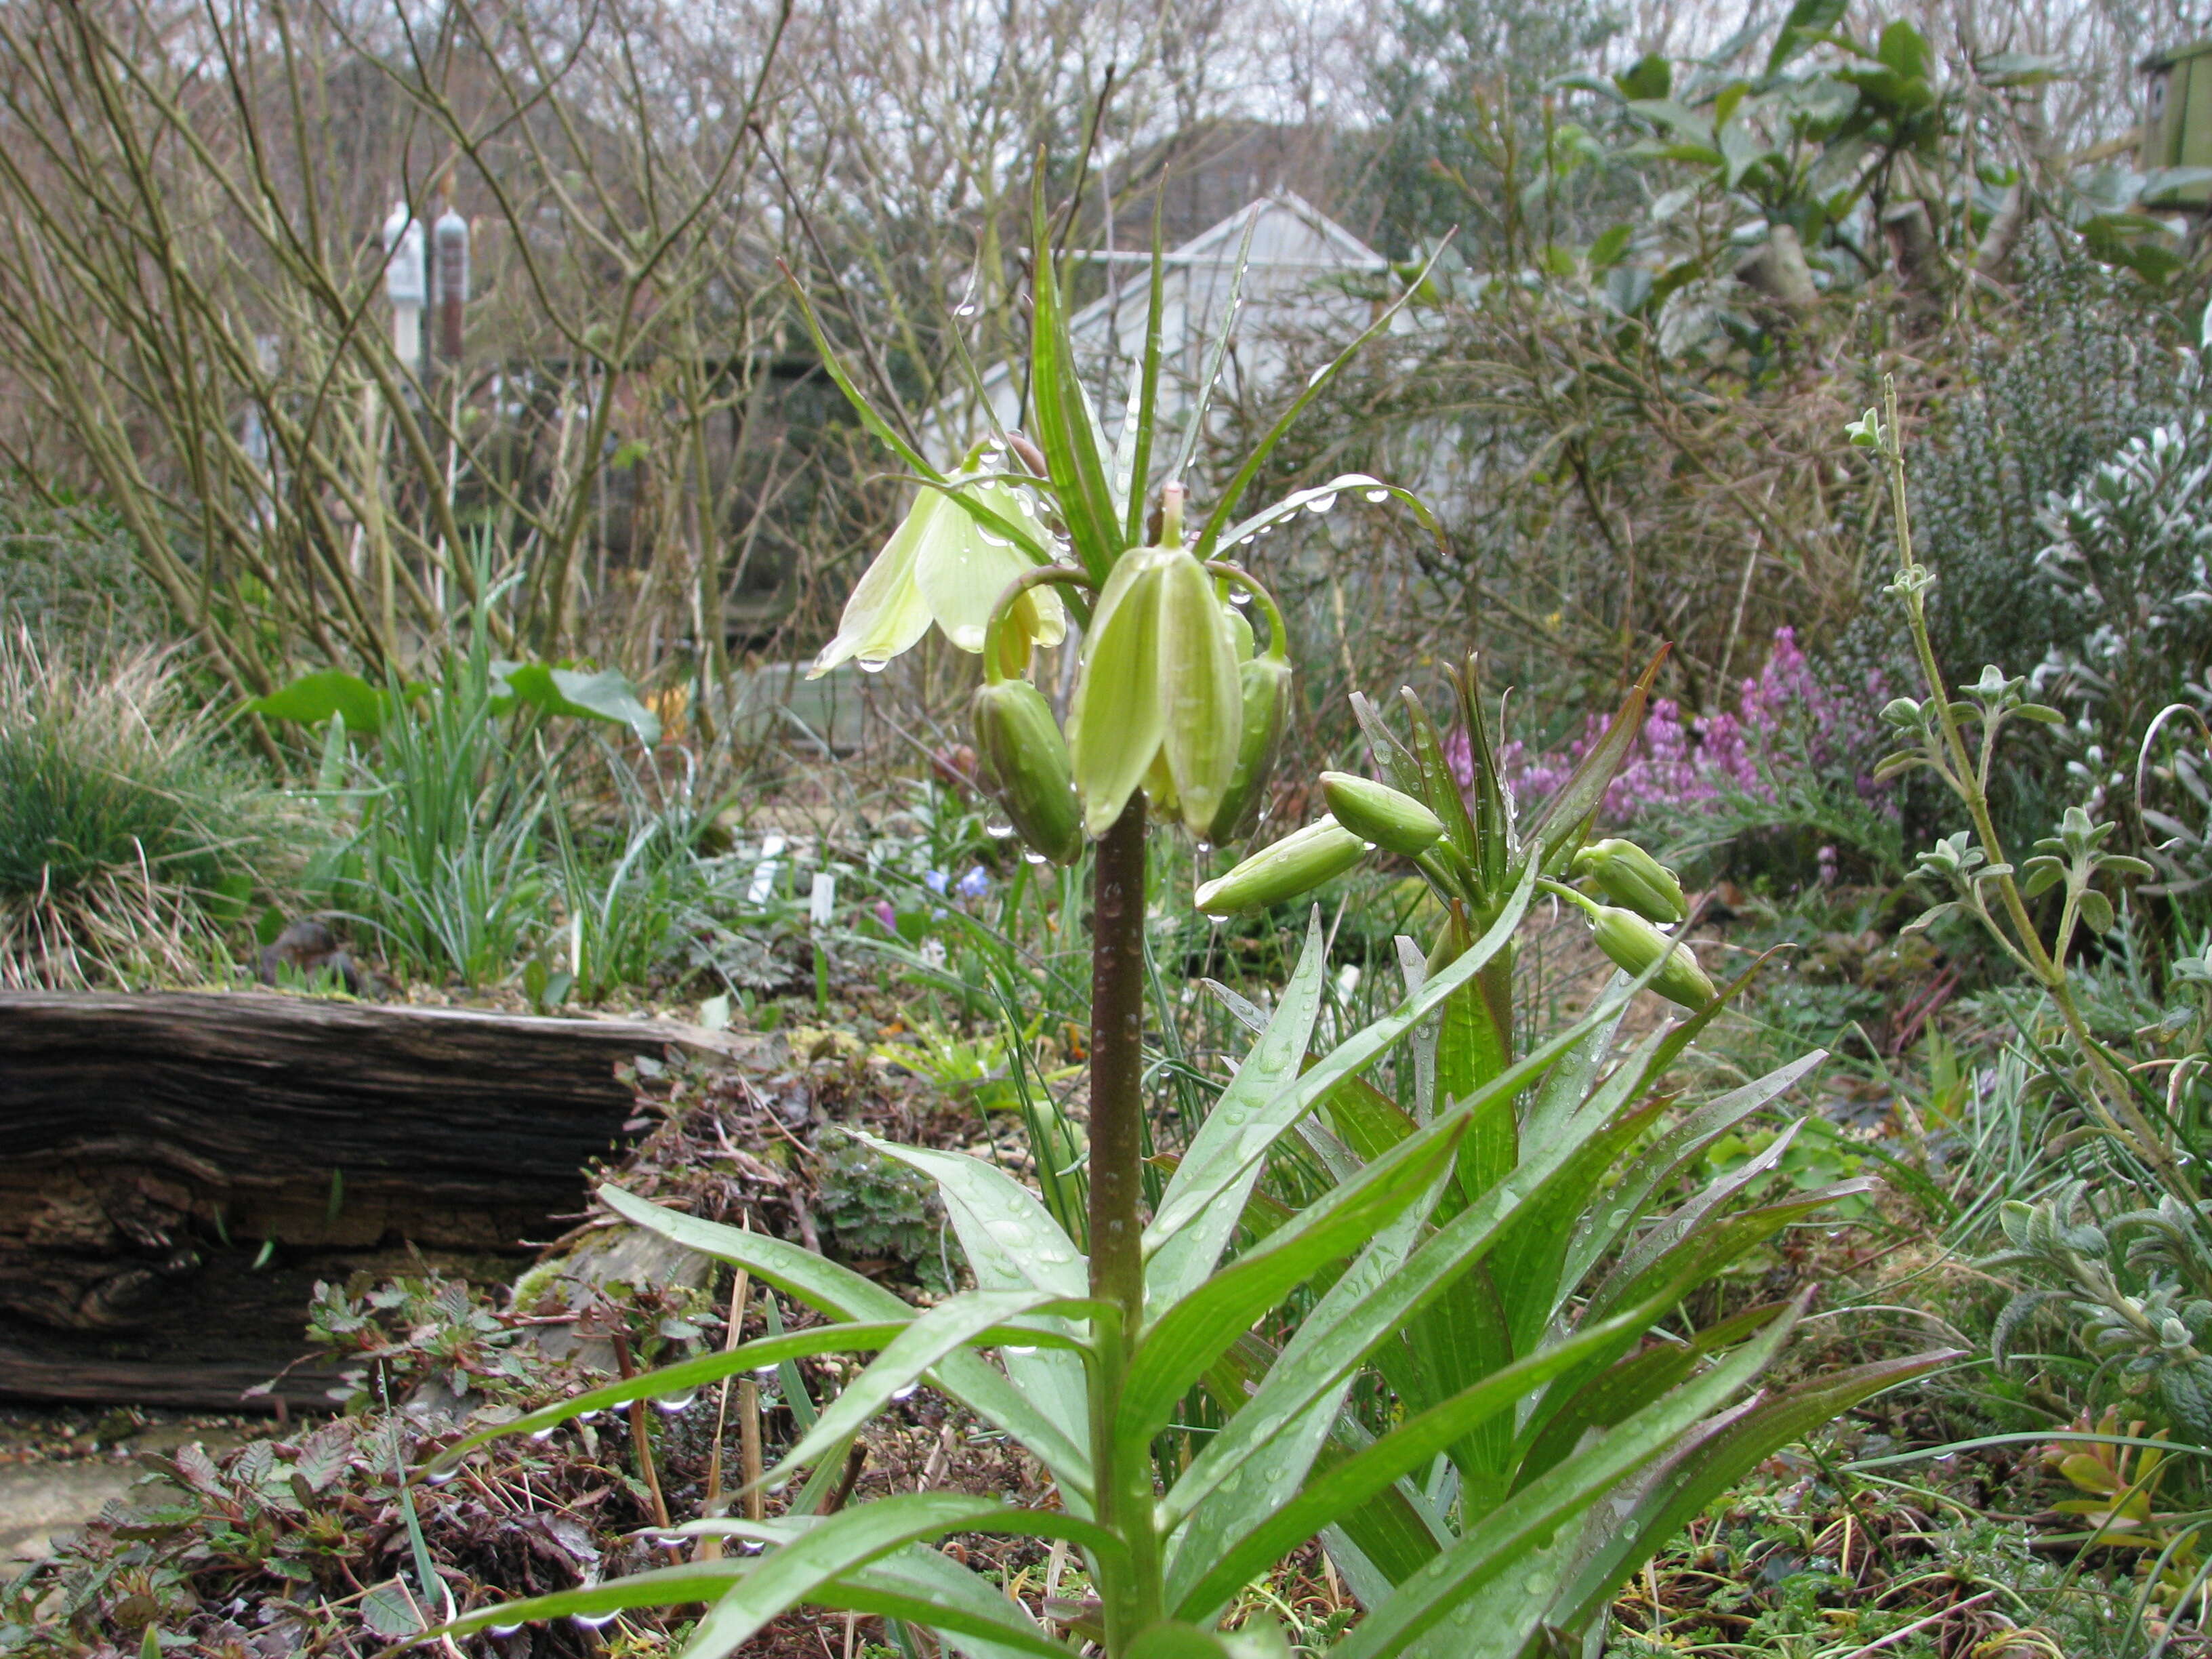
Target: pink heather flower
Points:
(1784, 718)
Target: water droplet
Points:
(906, 1393)
(1240, 596)
(1023, 1349)
(440, 1477)
(764, 1370)
(589, 1417)
(1029, 857)
(675, 1404)
(873, 665)
(750, 1546)
(1376, 494)
(503, 1630)
(998, 831)
(776, 1488)
(544, 1434)
(968, 310)
(1321, 503)
(593, 1621)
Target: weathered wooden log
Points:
(142, 1138)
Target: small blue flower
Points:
(974, 884)
(934, 880)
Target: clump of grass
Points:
(126, 835)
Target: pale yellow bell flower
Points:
(941, 565)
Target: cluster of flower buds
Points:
(1170, 696)
(1470, 854)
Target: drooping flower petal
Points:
(964, 569)
(887, 612)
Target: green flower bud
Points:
(1376, 813)
(1629, 876)
(1266, 683)
(1021, 745)
(1200, 691)
(1294, 864)
(1634, 944)
(1115, 720)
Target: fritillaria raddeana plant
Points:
(1488, 1247)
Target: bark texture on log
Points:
(144, 1141)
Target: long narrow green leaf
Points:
(1148, 393)
(1666, 1157)
(1708, 1201)
(1690, 1479)
(1212, 1492)
(954, 1324)
(1354, 1056)
(1198, 1212)
(663, 1587)
(1175, 1349)
(1557, 824)
(1320, 498)
(1194, 426)
(924, 1587)
(870, 417)
(1336, 1338)
(1314, 387)
(1711, 1247)
(1064, 429)
(1495, 1543)
(843, 1294)
(684, 1376)
(1271, 1534)
(850, 1539)
(1011, 1242)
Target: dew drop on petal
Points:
(873, 665)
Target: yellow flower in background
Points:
(941, 565)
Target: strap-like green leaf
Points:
(1011, 1242)
(1262, 1462)
(1492, 1544)
(663, 1587)
(954, 1324)
(1351, 1058)
(1272, 1533)
(851, 1539)
(924, 1587)
(1175, 1349)
(1064, 430)
(1666, 1156)
(685, 1375)
(1690, 1479)
(1559, 823)
(843, 1294)
(1197, 1212)
(1257, 457)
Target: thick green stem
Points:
(1117, 1152)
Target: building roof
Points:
(1293, 252)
